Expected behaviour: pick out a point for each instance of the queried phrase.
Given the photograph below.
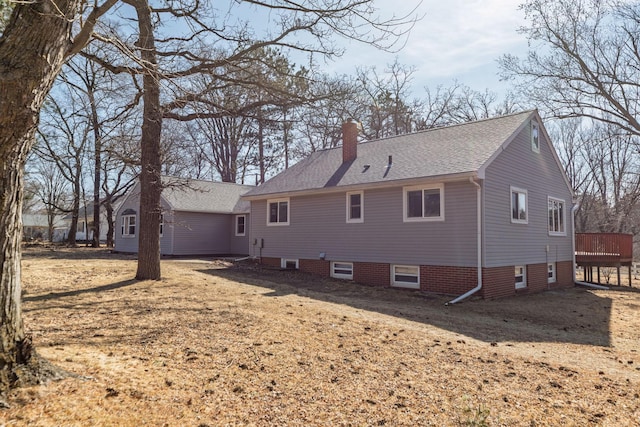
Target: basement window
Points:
(342, 270)
(551, 272)
(289, 264)
(405, 276)
(520, 277)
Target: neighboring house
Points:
(85, 224)
(483, 206)
(36, 227)
(198, 218)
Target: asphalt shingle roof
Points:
(436, 152)
(205, 196)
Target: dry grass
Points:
(215, 344)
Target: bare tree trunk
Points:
(96, 170)
(150, 183)
(110, 225)
(32, 50)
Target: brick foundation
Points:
(271, 262)
(564, 275)
(497, 282)
(319, 267)
(448, 280)
(372, 273)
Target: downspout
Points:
(479, 243)
(573, 247)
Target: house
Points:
(85, 224)
(199, 218)
(36, 226)
(482, 207)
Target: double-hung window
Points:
(355, 206)
(240, 225)
(128, 223)
(161, 224)
(424, 203)
(556, 217)
(278, 212)
(519, 212)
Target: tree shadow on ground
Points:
(574, 315)
(76, 292)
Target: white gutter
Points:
(479, 243)
(573, 247)
(591, 285)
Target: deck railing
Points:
(604, 247)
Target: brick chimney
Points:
(349, 140)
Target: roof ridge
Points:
(204, 181)
(454, 125)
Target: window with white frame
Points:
(278, 212)
(535, 136)
(551, 272)
(424, 203)
(556, 217)
(355, 206)
(240, 225)
(342, 270)
(521, 277)
(161, 224)
(289, 264)
(405, 276)
(128, 228)
(519, 212)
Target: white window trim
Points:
(277, 224)
(535, 128)
(522, 284)
(284, 261)
(526, 202)
(341, 275)
(125, 226)
(551, 279)
(235, 223)
(348, 198)
(401, 284)
(405, 190)
(161, 224)
(564, 222)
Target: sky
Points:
(457, 40)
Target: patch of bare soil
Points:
(216, 343)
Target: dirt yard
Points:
(217, 344)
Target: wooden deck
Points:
(603, 250)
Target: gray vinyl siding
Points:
(239, 245)
(318, 225)
(507, 243)
(128, 244)
(198, 233)
(166, 240)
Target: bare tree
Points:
(583, 62)
(164, 62)
(37, 40)
(50, 188)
